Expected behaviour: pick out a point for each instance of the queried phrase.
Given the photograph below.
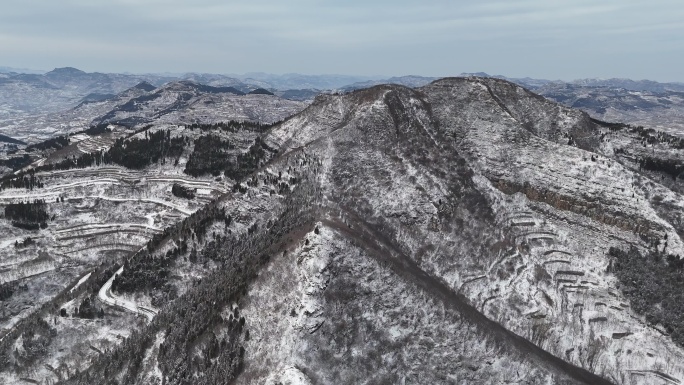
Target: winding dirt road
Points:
(105, 295)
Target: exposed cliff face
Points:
(593, 209)
(452, 235)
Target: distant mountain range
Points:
(38, 92)
(640, 102)
(300, 81)
(187, 102)
(176, 102)
(408, 81)
(60, 89)
(42, 100)
(20, 70)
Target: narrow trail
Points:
(384, 251)
(145, 200)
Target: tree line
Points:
(27, 180)
(209, 157)
(233, 126)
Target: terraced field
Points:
(99, 216)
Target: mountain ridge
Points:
(458, 231)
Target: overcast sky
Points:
(556, 39)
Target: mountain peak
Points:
(145, 86)
(261, 91)
(65, 71)
(477, 74)
(191, 86)
(181, 85)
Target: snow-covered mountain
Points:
(630, 85)
(466, 231)
(408, 81)
(186, 102)
(640, 102)
(31, 94)
(615, 83)
(301, 81)
(14, 70)
(649, 104)
(180, 102)
(35, 106)
(62, 88)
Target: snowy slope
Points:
(454, 233)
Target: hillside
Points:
(465, 231)
(187, 102)
(35, 107)
(649, 104)
(7, 139)
(638, 102)
(179, 102)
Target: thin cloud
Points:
(550, 38)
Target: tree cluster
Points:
(27, 326)
(652, 136)
(17, 162)
(157, 147)
(648, 135)
(135, 153)
(53, 143)
(182, 192)
(24, 180)
(148, 271)
(142, 274)
(210, 156)
(25, 243)
(87, 309)
(203, 334)
(138, 153)
(9, 288)
(654, 284)
(36, 339)
(29, 216)
(28, 180)
(610, 125)
(248, 162)
(98, 129)
(670, 167)
(85, 160)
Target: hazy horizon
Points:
(559, 40)
(366, 77)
